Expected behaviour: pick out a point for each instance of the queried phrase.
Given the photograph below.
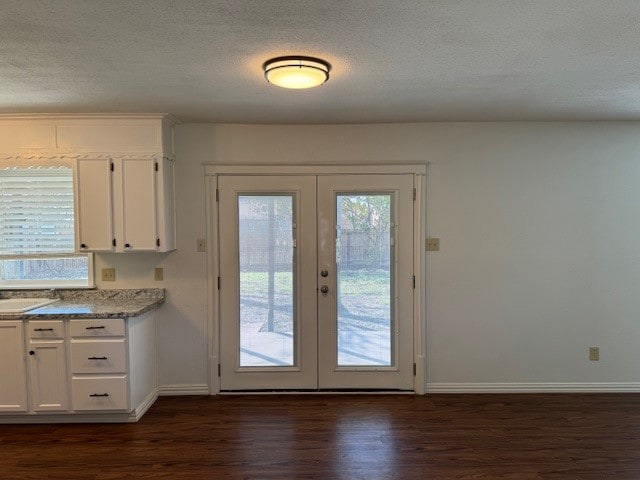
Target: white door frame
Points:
(212, 171)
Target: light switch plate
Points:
(158, 274)
(201, 245)
(594, 354)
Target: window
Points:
(37, 231)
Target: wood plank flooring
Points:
(573, 436)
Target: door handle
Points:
(324, 289)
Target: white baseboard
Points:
(183, 389)
(547, 387)
(595, 387)
(145, 405)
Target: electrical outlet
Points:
(201, 245)
(108, 274)
(158, 274)
(594, 354)
(432, 244)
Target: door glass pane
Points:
(267, 259)
(364, 259)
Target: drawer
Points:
(98, 356)
(44, 329)
(99, 393)
(108, 327)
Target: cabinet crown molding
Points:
(84, 156)
(76, 136)
(89, 116)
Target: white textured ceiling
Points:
(393, 61)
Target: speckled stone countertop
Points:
(87, 303)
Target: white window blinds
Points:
(36, 210)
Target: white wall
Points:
(540, 245)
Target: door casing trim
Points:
(213, 171)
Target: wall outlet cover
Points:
(432, 245)
(594, 354)
(108, 274)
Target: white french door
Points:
(267, 296)
(316, 282)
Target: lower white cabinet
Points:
(99, 365)
(47, 366)
(48, 376)
(77, 369)
(13, 394)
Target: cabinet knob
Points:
(127, 245)
(31, 352)
(83, 245)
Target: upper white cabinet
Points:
(126, 205)
(125, 195)
(94, 206)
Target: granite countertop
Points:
(87, 303)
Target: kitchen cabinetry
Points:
(94, 206)
(113, 363)
(125, 205)
(13, 394)
(124, 173)
(47, 366)
(99, 365)
(78, 369)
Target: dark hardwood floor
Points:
(576, 436)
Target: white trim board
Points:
(213, 171)
(548, 387)
(171, 390)
(325, 169)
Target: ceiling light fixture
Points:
(296, 71)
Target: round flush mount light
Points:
(296, 71)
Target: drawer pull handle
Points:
(43, 329)
(101, 327)
(99, 395)
(97, 358)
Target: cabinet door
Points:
(48, 376)
(166, 213)
(95, 206)
(139, 225)
(13, 391)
